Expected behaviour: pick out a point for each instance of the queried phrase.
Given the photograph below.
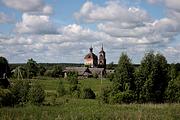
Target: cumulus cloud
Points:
(35, 24)
(130, 25)
(112, 11)
(29, 6)
(119, 28)
(5, 18)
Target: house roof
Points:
(80, 70)
(96, 70)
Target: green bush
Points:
(55, 71)
(6, 97)
(105, 94)
(87, 93)
(20, 90)
(173, 90)
(61, 89)
(36, 94)
(123, 97)
(72, 77)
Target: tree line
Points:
(153, 81)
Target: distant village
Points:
(94, 66)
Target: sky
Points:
(62, 31)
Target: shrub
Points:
(61, 90)
(20, 91)
(105, 94)
(72, 77)
(6, 97)
(36, 94)
(123, 97)
(87, 93)
(48, 73)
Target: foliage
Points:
(41, 69)
(72, 77)
(105, 94)
(6, 97)
(19, 72)
(95, 75)
(61, 89)
(4, 67)
(123, 97)
(32, 68)
(20, 90)
(173, 90)
(173, 71)
(123, 77)
(123, 81)
(110, 76)
(88, 93)
(151, 78)
(55, 71)
(74, 88)
(48, 73)
(36, 94)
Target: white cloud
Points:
(112, 11)
(29, 6)
(119, 28)
(5, 18)
(129, 24)
(173, 4)
(35, 24)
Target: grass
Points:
(79, 109)
(66, 108)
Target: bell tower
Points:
(102, 58)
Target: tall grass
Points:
(77, 109)
(65, 108)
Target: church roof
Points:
(90, 55)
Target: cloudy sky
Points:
(62, 31)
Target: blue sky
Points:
(62, 31)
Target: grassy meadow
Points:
(85, 109)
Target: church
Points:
(92, 61)
(92, 65)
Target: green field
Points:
(78, 109)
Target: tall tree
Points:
(32, 68)
(124, 78)
(4, 67)
(151, 78)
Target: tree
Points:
(123, 78)
(123, 81)
(36, 94)
(74, 89)
(32, 68)
(42, 70)
(151, 78)
(173, 90)
(56, 71)
(19, 72)
(4, 69)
